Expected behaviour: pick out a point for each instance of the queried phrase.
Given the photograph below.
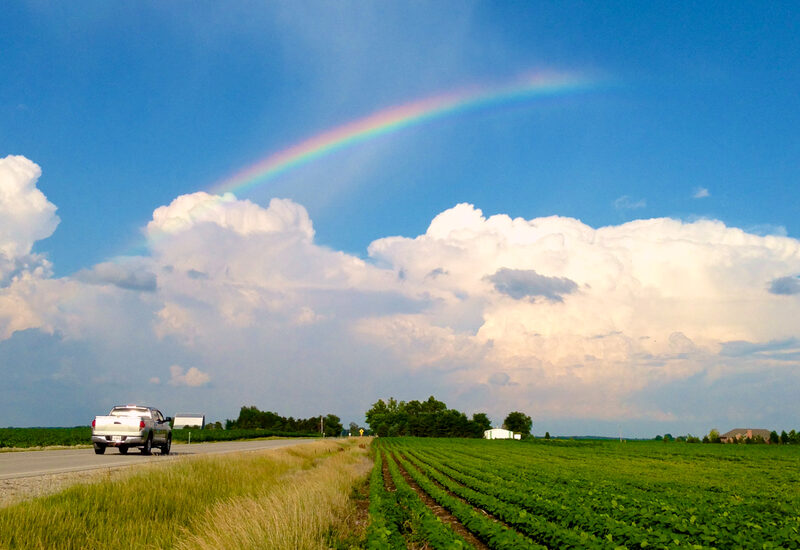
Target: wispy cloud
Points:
(526, 283)
(786, 286)
(625, 202)
(701, 193)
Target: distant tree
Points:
(332, 425)
(713, 436)
(429, 418)
(784, 437)
(547, 435)
(794, 437)
(482, 422)
(706, 439)
(518, 422)
(692, 439)
(774, 438)
(668, 438)
(658, 438)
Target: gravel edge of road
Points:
(15, 490)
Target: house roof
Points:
(742, 432)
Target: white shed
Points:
(187, 420)
(500, 433)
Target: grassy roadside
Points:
(297, 497)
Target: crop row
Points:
(555, 514)
(495, 534)
(399, 517)
(604, 496)
(685, 519)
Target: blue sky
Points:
(126, 108)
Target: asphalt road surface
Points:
(37, 463)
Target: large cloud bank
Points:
(654, 320)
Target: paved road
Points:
(36, 463)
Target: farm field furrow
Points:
(553, 508)
(575, 494)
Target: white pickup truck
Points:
(132, 426)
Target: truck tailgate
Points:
(116, 425)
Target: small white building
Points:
(500, 433)
(186, 420)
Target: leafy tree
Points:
(430, 418)
(252, 418)
(774, 438)
(658, 437)
(518, 422)
(713, 436)
(332, 425)
(668, 438)
(482, 422)
(784, 437)
(547, 435)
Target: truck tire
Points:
(148, 446)
(123, 450)
(99, 449)
(167, 446)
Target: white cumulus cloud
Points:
(26, 216)
(547, 315)
(192, 377)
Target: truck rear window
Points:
(129, 412)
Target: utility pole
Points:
(321, 427)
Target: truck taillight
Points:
(93, 423)
(141, 424)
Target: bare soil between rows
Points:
(439, 511)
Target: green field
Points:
(581, 494)
(25, 438)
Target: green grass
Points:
(198, 500)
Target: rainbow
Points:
(375, 125)
(396, 118)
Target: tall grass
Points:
(298, 512)
(291, 497)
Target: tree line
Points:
(791, 438)
(252, 418)
(432, 418)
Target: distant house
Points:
(744, 433)
(500, 433)
(187, 420)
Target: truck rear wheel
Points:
(167, 446)
(99, 449)
(148, 446)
